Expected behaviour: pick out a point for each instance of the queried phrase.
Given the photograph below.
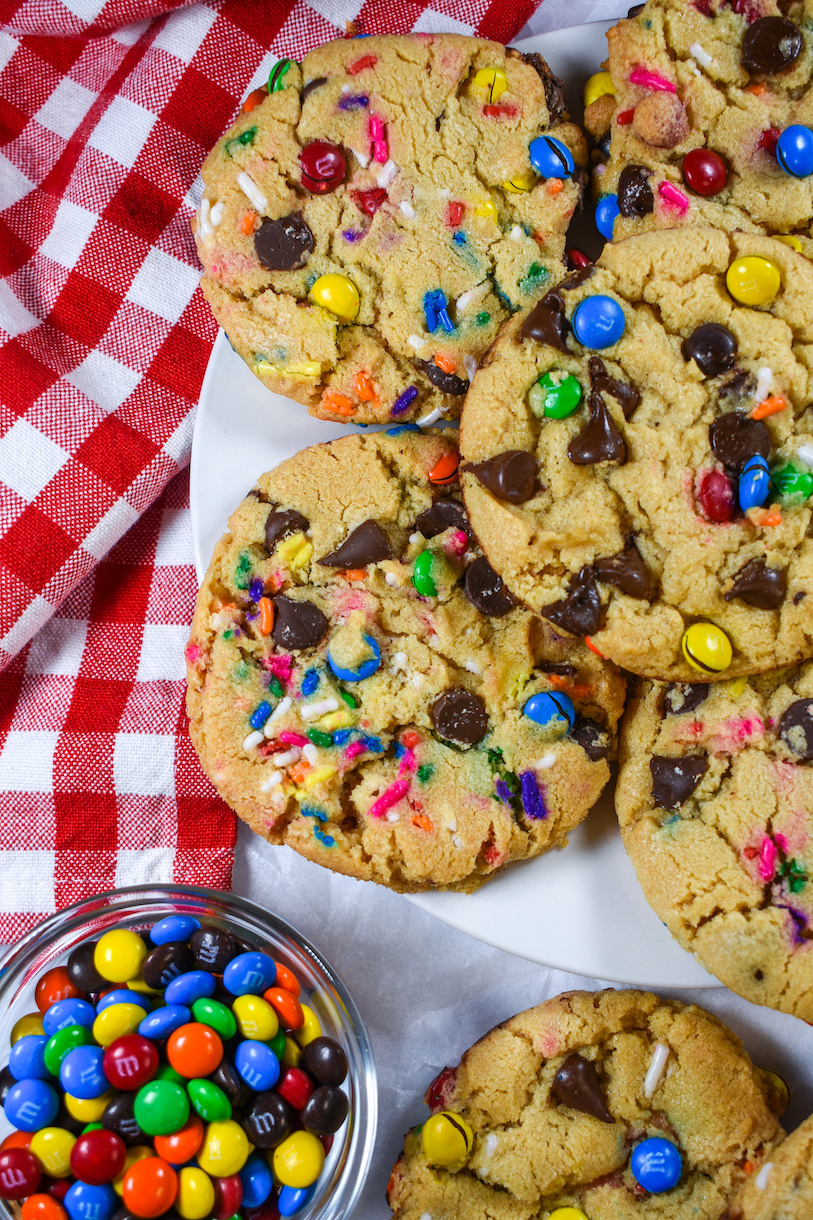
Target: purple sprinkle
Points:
(404, 400)
(256, 589)
(799, 920)
(352, 234)
(532, 801)
(357, 101)
(503, 791)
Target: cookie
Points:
(363, 689)
(570, 1104)
(637, 453)
(714, 798)
(711, 125)
(783, 1188)
(370, 222)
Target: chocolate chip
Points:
(577, 1085)
(485, 589)
(285, 244)
(599, 440)
(297, 624)
(738, 384)
(627, 571)
(799, 597)
(675, 779)
(591, 737)
(509, 476)
(459, 715)
(758, 585)
(712, 347)
(311, 85)
(624, 394)
(580, 611)
(443, 515)
(680, 698)
(367, 543)
(546, 323)
(557, 667)
(770, 45)
(554, 98)
(279, 525)
(635, 10)
(447, 383)
(736, 437)
(635, 196)
(580, 275)
(796, 729)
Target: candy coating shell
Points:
(598, 322)
(225, 1149)
(337, 294)
(446, 1140)
(753, 280)
(298, 1160)
(707, 648)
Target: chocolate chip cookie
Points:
(364, 689)
(638, 454)
(371, 219)
(581, 1103)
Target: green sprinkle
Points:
(795, 876)
(494, 758)
(240, 671)
(242, 574)
(241, 141)
(275, 686)
(319, 738)
(537, 274)
(349, 699)
(228, 634)
(425, 772)
(483, 318)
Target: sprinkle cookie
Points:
(639, 455)
(373, 217)
(611, 1105)
(714, 799)
(783, 1188)
(363, 689)
(711, 126)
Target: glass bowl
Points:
(138, 907)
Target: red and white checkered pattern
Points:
(107, 109)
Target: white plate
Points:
(580, 909)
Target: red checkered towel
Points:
(106, 113)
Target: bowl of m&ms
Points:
(182, 1054)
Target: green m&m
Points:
(793, 485)
(555, 395)
(209, 1101)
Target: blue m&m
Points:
(293, 1198)
(656, 1165)
(31, 1105)
(551, 158)
(68, 1012)
(173, 928)
(86, 1202)
(794, 151)
(190, 986)
(551, 710)
(606, 212)
(81, 1073)
(754, 484)
(27, 1058)
(257, 1065)
(249, 973)
(598, 322)
(365, 670)
(257, 1180)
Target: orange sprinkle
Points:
(445, 471)
(354, 574)
(769, 406)
(748, 1167)
(266, 615)
(364, 387)
(592, 647)
(540, 238)
(299, 770)
(338, 404)
(443, 362)
(248, 222)
(554, 186)
(757, 90)
(422, 822)
(254, 99)
(763, 517)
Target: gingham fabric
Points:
(106, 113)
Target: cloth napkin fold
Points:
(107, 110)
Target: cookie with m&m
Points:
(375, 214)
(591, 1105)
(713, 119)
(783, 1187)
(714, 798)
(638, 455)
(363, 689)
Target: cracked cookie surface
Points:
(352, 559)
(783, 1189)
(714, 798)
(736, 77)
(424, 202)
(532, 1090)
(622, 520)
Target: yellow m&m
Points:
(338, 295)
(753, 280)
(298, 1160)
(52, 1147)
(118, 955)
(790, 239)
(492, 79)
(596, 86)
(446, 1140)
(196, 1194)
(225, 1149)
(256, 1019)
(567, 1213)
(707, 648)
(520, 183)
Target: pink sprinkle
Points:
(767, 859)
(457, 543)
(391, 796)
(293, 739)
(192, 653)
(354, 749)
(281, 666)
(407, 763)
(651, 80)
(380, 150)
(781, 842)
(670, 194)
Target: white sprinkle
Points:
(399, 661)
(458, 842)
(279, 711)
(386, 174)
(274, 780)
(311, 711)
(547, 761)
(471, 295)
(392, 816)
(391, 579)
(278, 797)
(473, 667)
(216, 214)
(416, 341)
(204, 226)
(470, 365)
(444, 192)
(517, 233)
(451, 822)
(805, 454)
(693, 68)
(362, 158)
(599, 170)
(491, 1144)
(407, 209)
(426, 1216)
(251, 191)
(763, 386)
(345, 88)
(761, 1180)
(701, 54)
(415, 538)
(252, 740)
(417, 680)
(431, 418)
(283, 760)
(311, 753)
(655, 1073)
